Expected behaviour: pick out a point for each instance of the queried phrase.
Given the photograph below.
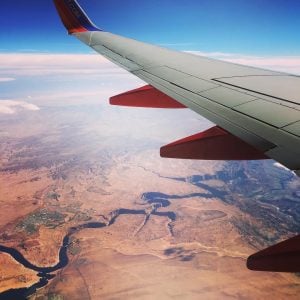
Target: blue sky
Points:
(256, 27)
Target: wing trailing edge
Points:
(212, 144)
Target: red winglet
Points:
(282, 257)
(212, 144)
(146, 96)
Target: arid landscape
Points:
(90, 212)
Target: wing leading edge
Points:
(256, 111)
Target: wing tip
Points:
(73, 17)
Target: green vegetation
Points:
(53, 196)
(44, 217)
(74, 246)
(255, 233)
(30, 228)
(55, 297)
(82, 217)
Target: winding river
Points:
(156, 200)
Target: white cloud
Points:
(289, 64)
(13, 65)
(6, 79)
(10, 107)
(20, 64)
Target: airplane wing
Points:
(259, 107)
(257, 111)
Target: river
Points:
(157, 200)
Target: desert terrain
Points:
(93, 213)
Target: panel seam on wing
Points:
(253, 91)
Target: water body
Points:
(156, 199)
(164, 199)
(43, 272)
